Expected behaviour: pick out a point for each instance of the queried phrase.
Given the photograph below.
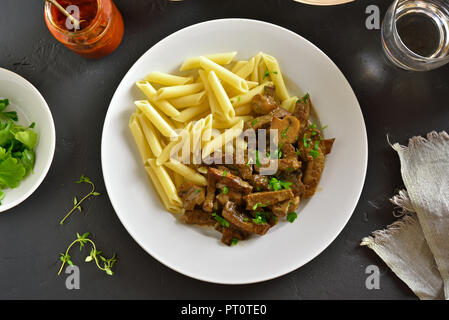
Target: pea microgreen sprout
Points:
(94, 255)
(76, 203)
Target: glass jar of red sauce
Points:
(100, 31)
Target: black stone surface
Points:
(394, 102)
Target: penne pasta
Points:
(173, 208)
(219, 58)
(162, 105)
(155, 118)
(190, 100)
(150, 135)
(177, 179)
(178, 91)
(189, 113)
(186, 172)
(213, 103)
(222, 139)
(224, 74)
(255, 74)
(262, 71)
(246, 69)
(247, 97)
(195, 141)
(289, 104)
(238, 65)
(275, 74)
(252, 84)
(222, 98)
(139, 138)
(207, 129)
(167, 79)
(173, 147)
(220, 124)
(166, 182)
(243, 110)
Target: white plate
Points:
(195, 251)
(30, 106)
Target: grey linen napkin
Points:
(416, 247)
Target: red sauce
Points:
(101, 29)
(87, 10)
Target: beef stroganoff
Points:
(226, 145)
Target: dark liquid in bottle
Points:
(419, 33)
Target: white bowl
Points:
(194, 251)
(31, 107)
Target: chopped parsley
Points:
(314, 153)
(284, 132)
(258, 164)
(224, 173)
(304, 99)
(249, 162)
(259, 218)
(267, 73)
(260, 205)
(225, 190)
(234, 241)
(197, 190)
(277, 184)
(221, 220)
(239, 98)
(291, 216)
(306, 141)
(253, 123)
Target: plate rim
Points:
(274, 275)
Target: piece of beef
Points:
(263, 104)
(259, 122)
(266, 198)
(245, 170)
(230, 195)
(230, 212)
(288, 129)
(312, 174)
(289, 164)
(191, 195)
(281, 209)
(232, 181)
(265, 120)
(307, 144)
(208, 204)
(259, 182)
(231, 233)
(288, 151)
(270, 91)
(326, 145)
(302, 112)
(296, 186)
(198, 217)
(280, 112)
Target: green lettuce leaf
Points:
(11, 172)
(28, 137)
